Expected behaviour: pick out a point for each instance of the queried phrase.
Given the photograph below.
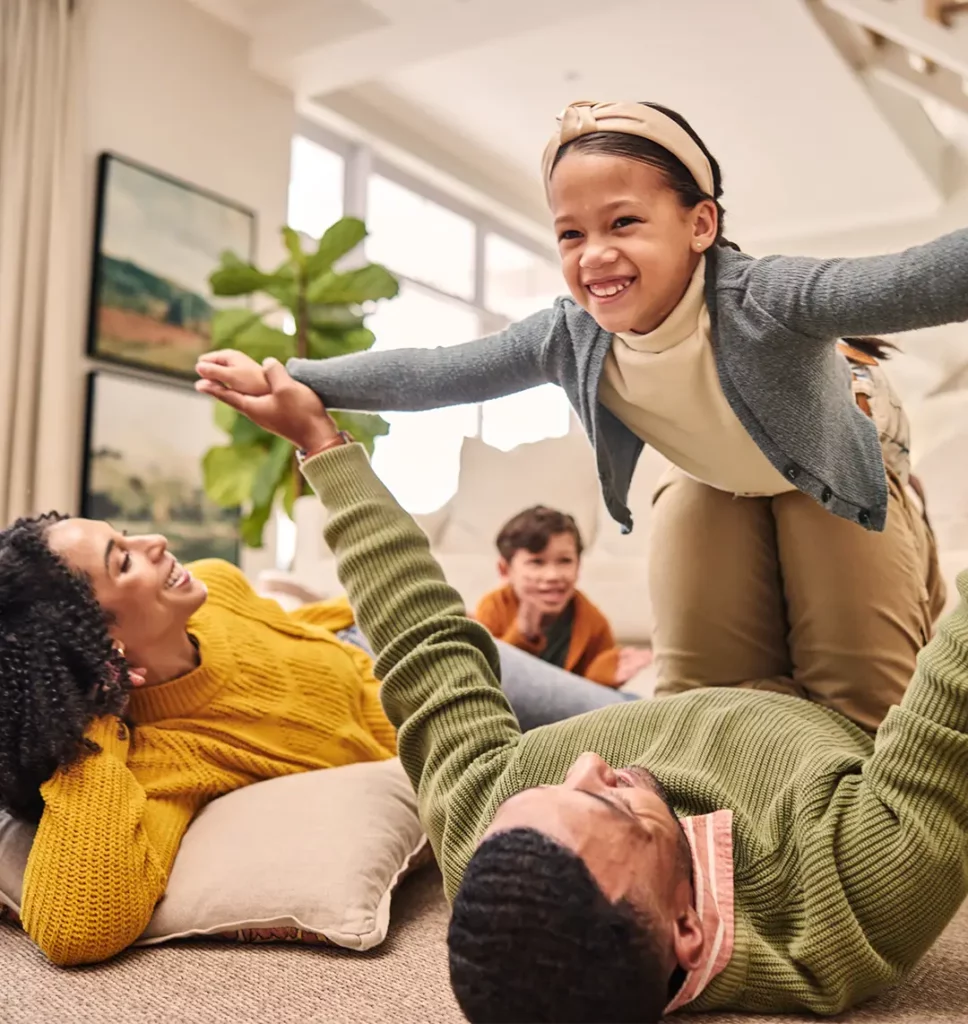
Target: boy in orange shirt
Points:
(541, 611)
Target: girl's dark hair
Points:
(58, 668)
(877, 348)
(680, 179)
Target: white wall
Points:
(167, 85)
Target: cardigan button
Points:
(791, 472)
(826, 494)
(864, 517)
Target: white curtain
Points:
(41, 168)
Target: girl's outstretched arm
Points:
(414, 379)
(921, 287)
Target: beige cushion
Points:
(495, 485)
(313, 857)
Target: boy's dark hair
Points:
(680, 179)
(533, 938)
(532, 529)
(58, 668)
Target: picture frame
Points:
(156, 240)
(143, 445)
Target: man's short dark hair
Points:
(533, 938)
(532, 529)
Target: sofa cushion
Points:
(610, 541)
(495, 485)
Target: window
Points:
(419, 238)
(447, 297)
(419, 459)
(518, 282)
(315, 187)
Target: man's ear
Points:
(688, 940)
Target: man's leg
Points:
(860, 604)
(717, 596)
(540, 693)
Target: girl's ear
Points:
(705, 225)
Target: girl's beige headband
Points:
(585, 117)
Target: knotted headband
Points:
(585, 117)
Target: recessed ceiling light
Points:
(572, 76)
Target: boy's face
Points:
(547, 578)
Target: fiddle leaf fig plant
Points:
(328, 307)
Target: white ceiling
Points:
(788, 94)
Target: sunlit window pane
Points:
(518, 282)
(420, 458)
(315, 187)
(419, 238)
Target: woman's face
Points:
(628, 246)
(136, 580)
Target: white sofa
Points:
(494, 485)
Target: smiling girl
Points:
(730, 367)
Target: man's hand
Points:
(234, 370)
(631, 661)
(273, 401)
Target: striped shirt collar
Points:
(711, 840)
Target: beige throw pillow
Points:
(312, 857)
(495, 485)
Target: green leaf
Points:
(289, 494)
(253, 524)
(290, 238)
(245, 432)
(354, 287)
(334, 318)
(324, 345)
(225, 417)
(364, 426)
(229, 473)
(285, 291)
(343, 237)
(270, 472)
(239, 279)
(227, 324)
(260, 341)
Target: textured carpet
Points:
(402, 982)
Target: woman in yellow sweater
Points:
(134, 690)
(223, 689)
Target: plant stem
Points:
(302, 351)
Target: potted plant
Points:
(328, 309)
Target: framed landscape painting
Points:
(156, 242)
(143, 465)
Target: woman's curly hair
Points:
(58, 667)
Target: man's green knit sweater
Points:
(850, 854)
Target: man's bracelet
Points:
(343, 437)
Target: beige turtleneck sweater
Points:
(665, 388)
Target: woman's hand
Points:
(269, 397)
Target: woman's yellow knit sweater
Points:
(274, 694)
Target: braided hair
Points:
(58, 667)
(678, 176)
(532, 937)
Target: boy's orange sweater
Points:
(275, 694)
(591, 653)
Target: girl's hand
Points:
(275, 402)
(234, 370)
(631, 661)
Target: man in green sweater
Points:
(718, 849)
